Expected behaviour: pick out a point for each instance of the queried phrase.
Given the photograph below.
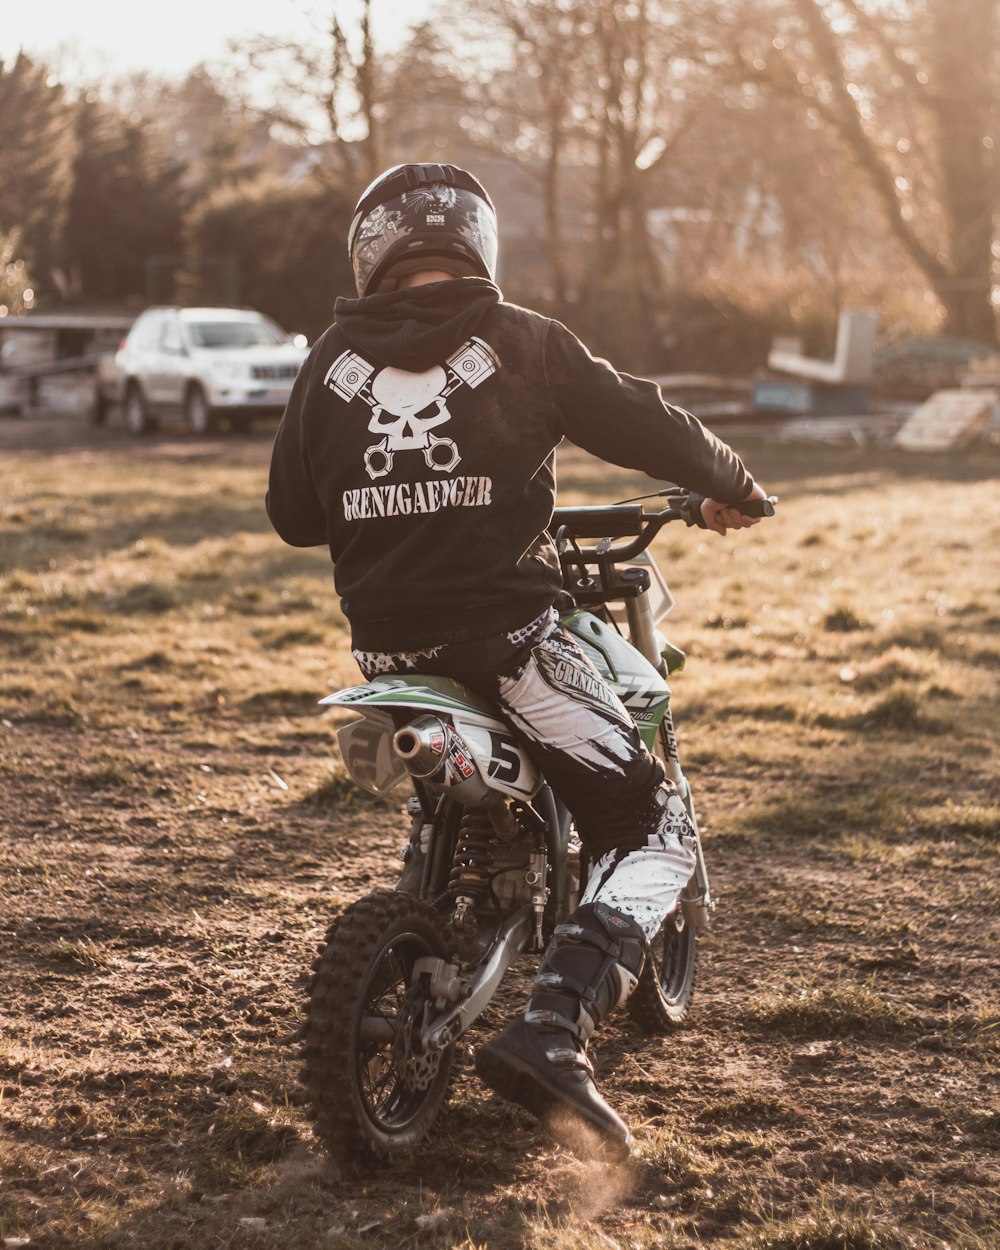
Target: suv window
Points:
(233, 334)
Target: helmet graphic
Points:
(416, 217)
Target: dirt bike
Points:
(493, 863)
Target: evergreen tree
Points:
(287, 242)
(16, 285)
(36, 152)
(126, 208)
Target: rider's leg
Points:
(632, 822)
(645, 882)
(586, 744)
(540, 1060)
(634, 828)
(589, 968)
(572, 723)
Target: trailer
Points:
(59, 361)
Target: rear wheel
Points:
(372, 1091)
(198, 415)
(137, 418)
(662, 999)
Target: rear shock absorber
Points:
(471, 865)
(470, 870)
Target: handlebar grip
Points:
(749, 507)
(757, 507)
(613, 521)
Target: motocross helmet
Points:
(416, 217)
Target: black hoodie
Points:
(418, 444)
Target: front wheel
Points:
(662, 999)
(372, 1091)
(137, 418)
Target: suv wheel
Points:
(137, 418)
(197, 414)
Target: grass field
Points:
(177, 833)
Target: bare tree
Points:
(427, 99)
(583, 93)
(325, 92)
(627, 117)
(542, 90)
(366, 76)
(910, 87)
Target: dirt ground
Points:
(172, 851)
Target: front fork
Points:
(697, 903)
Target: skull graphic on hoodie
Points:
(407, 407)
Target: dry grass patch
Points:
(896, 664)
(79, 952)
(830, 1230)
(832, 1007)
(841, 812)
(112, 771)
(336, 791)
(750, 1106)
(900, 710)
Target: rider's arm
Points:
(293, 505)
(626, 421)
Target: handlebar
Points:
(618, 520)
(631, 519)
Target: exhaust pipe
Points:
(435, 753)
(421, 745)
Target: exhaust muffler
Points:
(435, 753)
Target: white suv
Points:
(202, 363)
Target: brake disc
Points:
(417, 1067)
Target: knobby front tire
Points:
(371, 1093)
(662, 999)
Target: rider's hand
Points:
(721, 517)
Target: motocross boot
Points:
(540, 1060)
